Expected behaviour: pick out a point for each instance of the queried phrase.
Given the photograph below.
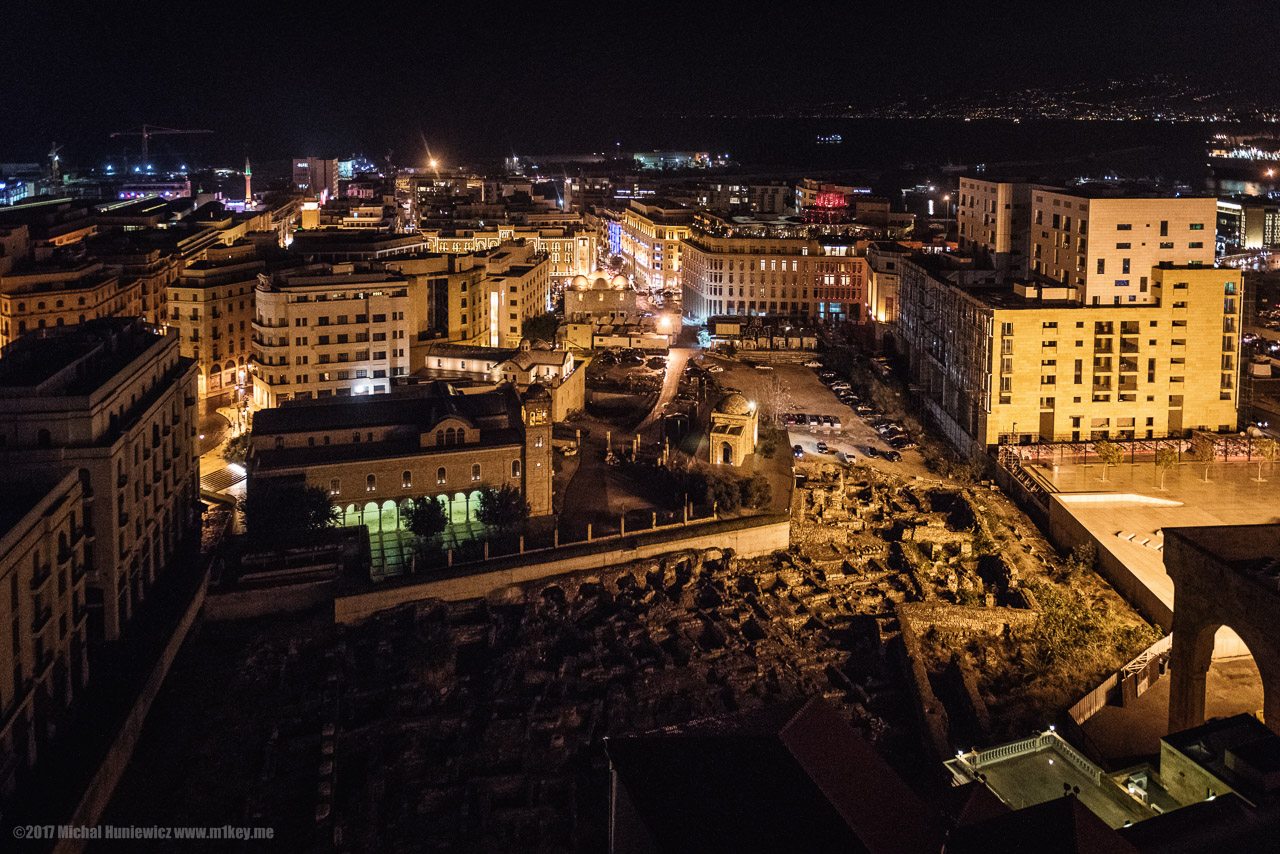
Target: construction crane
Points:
(148, 131)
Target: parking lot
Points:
(798, 390)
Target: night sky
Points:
(278, 79)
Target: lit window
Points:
(475, 471)
(371, 483)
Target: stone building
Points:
(598, 299)
(524, 366)
(734, 430)
(115, 402)
(374, 455)
(42, 596)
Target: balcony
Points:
(41, 575)
(1129, 345)
(1103, 345)
(1128, 384)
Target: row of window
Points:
(406, 478)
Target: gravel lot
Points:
(802, 391)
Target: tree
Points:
(1203, 451)
(755, 491)
(1166, 458)
(426, 518)
(282, 510)
(723, 493)
(542, 327)
(1109, 454)
(1265, 450)
(503, 508)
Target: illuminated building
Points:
(997, 360)
(679, 160)
(756, 198)
(316, 177)
(734, 431)
(45, 662)
(115, 403)
(652, 232)
(140, 266)
(1100, 241)
(884, 262)
(771, 268)
(811, 193)
(211, 307)
(431, 441)
(155, 188)
(570, 249)
(600, 299)
(1247, 224)
(516, 289)
(63, 292)
(329, 330)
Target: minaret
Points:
(248, 184)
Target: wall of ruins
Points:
(745, 538)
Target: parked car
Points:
(822, 447)
(892, 456)
(827, 375)
(798, 451)
(863, 409)
(872, 451)
(656, 362)
(814, 420)
(834, 422)
(902, 443)
(813, 363)
(840, 385)
(828, 451)
(764, 367)
(715, 369)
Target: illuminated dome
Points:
(620, 281)
(536, 392)
(733, 404)
(599, 280)
(580, 282)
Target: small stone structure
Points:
(735, 428)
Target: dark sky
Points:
(283, 78)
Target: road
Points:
(670, 386)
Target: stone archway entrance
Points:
(726, 453)
(1222, 576)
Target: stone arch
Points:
(726, 453)
(389, 516)
(371, 517)
(458, 509)
(1222, 576)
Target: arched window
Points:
(439, 437)
(371, 483)
(462, 435)
(515, 468)
(450, 436)
(279, 443)
(335, 487)
(406, 479)
(440, 475)
(475, 471)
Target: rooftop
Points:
(56, 362)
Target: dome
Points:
(620, 281)
(580, 282)
(536, 392)
(599, 280)
(733, 404)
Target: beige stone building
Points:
(1003, 361)
(63, 292)
(529, 364)
(42, 597)
(735, 430)
(570, 249)
(329, 331)
(771, 271)
(653, 232)
(373, 457)
(211, 310)
(598, 299)
(116, 403)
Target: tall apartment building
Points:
(884, 263)
(1106, 245)
(812, 193)
(517, 288)
(759, 270)
(756, 198)
(1245, 223)
(147, 268)
(329, 330)
(211, 309)
(45, 661)
(116, 403)
(995, 216)
(652, 235)
(1101, 241)
(316, 177)
(999, 360)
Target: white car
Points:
(764, 367)
(813, 363)
(715, 369)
